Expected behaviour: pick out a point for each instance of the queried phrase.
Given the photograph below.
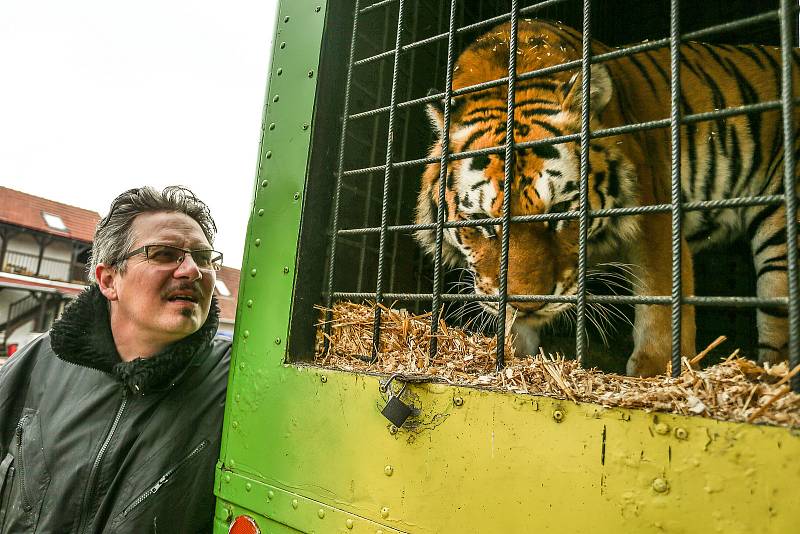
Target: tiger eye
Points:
(479, 163)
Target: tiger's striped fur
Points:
(723, 158)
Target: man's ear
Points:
(600, 90)
(106, 277)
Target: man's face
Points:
(145, 294)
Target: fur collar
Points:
(82, 336)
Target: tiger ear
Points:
(600, 90)
(435, 110)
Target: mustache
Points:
(194, 287)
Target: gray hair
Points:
(113, 237)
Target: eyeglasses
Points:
(167, 255)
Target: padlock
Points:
(396, 411)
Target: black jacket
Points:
(89, 443)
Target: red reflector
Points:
(244, 525)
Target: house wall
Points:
(22, 253)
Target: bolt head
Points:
(321, 513)
(296, 196)
(323, 379)
(392, 429)
(349, 524)
(270, 495)
(316, 9)
(285, 270)
(458, 401)
(305, 126)
(295, 504)
(253, 272)
(558, 416)
(311, 74)
(388, 470)
(384, 512)
(257, 242)
(250, 303)
(662, 428)
(660, 485)
(681, 433)
(227, 514)
(283, 45)
(248, 487)
(277, 341)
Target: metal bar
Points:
(339, 175)
(789, 187)
(376, 332)
(569, 215)
(596, 134)
(441, 209)
(658, 300)
(509, 169)
(583, 205)
(675, 191)
(468, 28)
(376, 5)
(570, 65)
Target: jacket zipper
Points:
(164, 478)
(89, 495)
(21, 464)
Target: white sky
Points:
(97, 97)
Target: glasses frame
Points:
(145, 249)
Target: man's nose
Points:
(188, 269)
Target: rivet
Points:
(305, 126)
(625, 416)
(270, 495)
(241, 366)
(662, 428)
(316, 9)
(283, 45)
(295, 504)
(277, 341)
(558, 416)
(384, 512)
(349, 524)
(272, 126)
(235, 425)
(323, 379)
(311, 74)
(286, 19)
(660, 485)
(280, 71)
(388, 470)
(264, 183)
(246, 333)
(296, 196)
(681, 433)
(379, 531)
(257, 242)
(253, 272)
(320, 513)
(276, 98)
(458, 401)
(227, 478)
(392, 429)
(248, 487)
(285, 270)
(238, 397)
(269, 154)
(232, 465)
(227, 514)
(249, 303)
(261, 212)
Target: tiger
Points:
(738, 156)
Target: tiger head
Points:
(542, 257)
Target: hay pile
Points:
(735, 390)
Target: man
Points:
(112, 421)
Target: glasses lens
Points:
(202, 258)
(163, 254)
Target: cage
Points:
(345, 142)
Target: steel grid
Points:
(675, 208)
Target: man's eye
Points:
(163, 255)
(202, 257)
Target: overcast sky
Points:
(100, 96)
